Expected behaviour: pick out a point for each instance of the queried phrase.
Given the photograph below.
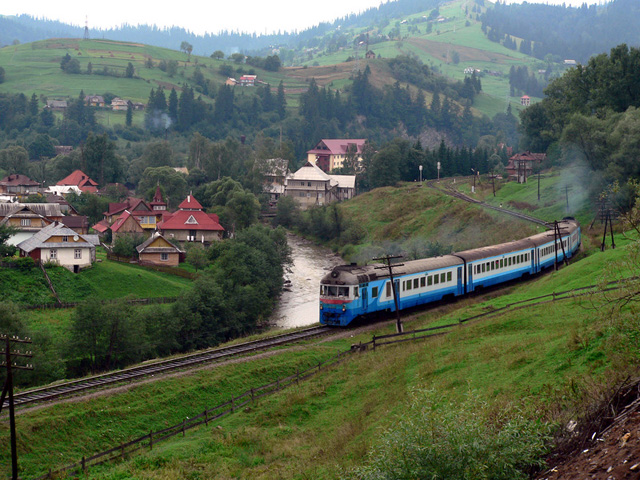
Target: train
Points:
(351, 292)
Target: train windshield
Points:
(333, 291)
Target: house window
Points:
(77, 253)
(302, 183)
(65, 239)
(25, 222)
(191, 220)
(308, 184)
(302, 194)
(164, 257)
(53, 254)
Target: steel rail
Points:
(162, 366)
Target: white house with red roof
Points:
(191, 224)
(80, 180)
(330, 154)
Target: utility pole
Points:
(387, 259)
(493, 181)
(8, 389)
(538, 182)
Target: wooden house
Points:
(157, 250)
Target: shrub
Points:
(465, 440)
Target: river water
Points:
(299, 304)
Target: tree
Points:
(174, 184)
(129, 117)
(129, 71)
(281, 101)
(237, 57)
(101, 160)
(197, 256)
(217, 55)
(6, 232)
(187, 48)
(2, 75)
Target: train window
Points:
(501, 263)
(493, 265)
(436, 279)
(415, 282)
(355, 292)
(470, 270)
(442, 278)
(429, 281)
(509, 261)
(374, 292)
(331, 291)
(408, 284)
(388, 289)
(343, 291)
(448, 276)
(423, 281)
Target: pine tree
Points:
(173, 105)
(281, 102)
(129, 118)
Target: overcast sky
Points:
(261, 16)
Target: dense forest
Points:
(566, 32)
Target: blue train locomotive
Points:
(351, 291)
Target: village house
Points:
(520, 165)
(191, 224)
(126, 224)
(28, 218)
(157, 250)
(231, 82)
(77, 179)
(525, 100)
(330, 154)
(59, 244)
(94, 100)
(56, 105)
(118, 104)
(370, 54)
(311, 186)
(63, 149)
(248, 80)
(18, 185)
(137, 105)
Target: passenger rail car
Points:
(350, 291)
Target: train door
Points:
(365, 296)
(533, 261)
(460, 286)
(397, 288)
(470, 279)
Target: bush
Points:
(465, 440)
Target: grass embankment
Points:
(105, 280)
(328, 424)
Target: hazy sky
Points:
(202, 16)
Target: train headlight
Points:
(344, 307)
(321, 305)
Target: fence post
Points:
(206, 419)
(122, 451)
(251, 394)
(374, 342)
(183, 422)
(151, 440)
(84, 465)
(233, 407)
(297, 376)
(49, 474)
(278, 384)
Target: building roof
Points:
(191, 220)
(122, 219)
(39, 209)
(312, 173)
(190, 203)
(154, 245)
(75, 221)
(80, 180)
(337, 146)
(18, 180)
(345, 181)
(55, 229)
(101, 227)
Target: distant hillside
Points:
(568, 32)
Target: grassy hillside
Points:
(450, 47)
(540, 358)
(105, 280)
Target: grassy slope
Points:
(329, 423)
(35, 67)
(104, 281)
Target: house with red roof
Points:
(191, 224)
(126, 224)
(80, 180)
(520, 165)
(330, 154)
(525, 100)
(17, 184)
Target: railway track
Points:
(448, 189)
(163, 366)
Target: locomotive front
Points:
(339, 295)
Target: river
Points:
(299, 303)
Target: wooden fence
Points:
(125, 450)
